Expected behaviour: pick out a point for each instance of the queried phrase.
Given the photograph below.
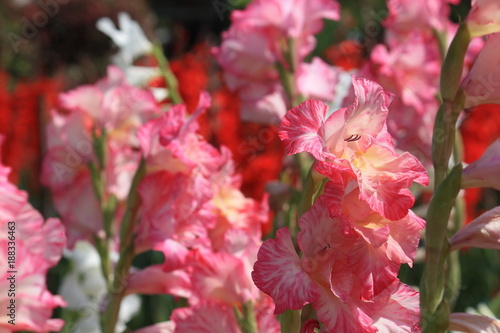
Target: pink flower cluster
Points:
(359, 231)
(272, 34)
(113, 108)
(408, 65)
(191, 206)
(208, 231)
(31, 245)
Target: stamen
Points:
(354, 137)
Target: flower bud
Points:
(484, 17)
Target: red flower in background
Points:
(22, 108)
(479, 130)
(347, 54)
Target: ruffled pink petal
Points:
(395, 309)
(54, 240)
(341, 317)
(384, 180)
(173, 206)
(174, 252)
(278, 273)
(371, 266)
(341, 281)
(404, 237)
(325, 236)
(79, 209)
(374, 236)
(266, 320)
(484, 171)
(483, 232)
(205, 318)
(472, 323)
(302, 129)
(322, 231)
(484, 17)
(317, 80)
(85, 99)
(159, 281)
(219, 277)
(367, 115)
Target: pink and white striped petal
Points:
(219, 277)
(341, 317)
(483, 232)
(371, 266)
(368, 113)
(303, 129)
(472, 323)
(395, 310)
(384, 179)
(279, 274)
(404, 237)
(159, 281)
(205, 318)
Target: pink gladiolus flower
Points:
(349, 263)
(384, 244)
(37, 246)
(317, 80)
(483, 232)
(355, 140)
(328, 274)
(34, 303)
(192, 185)
(484, 17)
(412, 74)
(112, 106)
(482, 85)
(200, 318)
(289, 18)
(174, 206)
(471, 323)
(399, 311)
(484, 171)
(209, 232)
(413, 70)
(257, 40)
(406, 16)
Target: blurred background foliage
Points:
(68, 51)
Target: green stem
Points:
(434, 303)
(247, 321)
(173, 85)
(443, 139)
(453, 271)
(290, 321)
(435, 309)
(107, 205)
(103, 249)
(118, 287)
(451, 72)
